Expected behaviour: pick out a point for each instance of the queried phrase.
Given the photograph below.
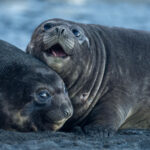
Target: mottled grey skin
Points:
(106, 70)
(32, 96)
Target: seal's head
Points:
(58, 43)
(33, 99)
(32, 96)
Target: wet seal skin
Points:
(32, 96)
(106, 70)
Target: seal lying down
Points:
(106, 70)
(32, 96)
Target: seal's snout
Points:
(66, 107)
(60, 30)
(67, 113)
(58, 40)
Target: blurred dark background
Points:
(18, 18)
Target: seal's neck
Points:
(96, 76)
(85, 81)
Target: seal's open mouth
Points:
(56, 51)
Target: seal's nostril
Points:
(62, 31)
(57, 30)
(67, 113)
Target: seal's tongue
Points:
(57, 51)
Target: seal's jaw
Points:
(56, 51)
(56, 56)
(53, 125)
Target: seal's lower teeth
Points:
(53, 53)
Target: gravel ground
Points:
(125, 140)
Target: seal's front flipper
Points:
(109, 114)
(98, 130)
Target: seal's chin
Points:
(53, 125)
(57, 56)
(31, 123)
(56, 51)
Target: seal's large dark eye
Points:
(43, 96)
(47, 26)
(76, 32)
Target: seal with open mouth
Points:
(106, 70)
(32, 96)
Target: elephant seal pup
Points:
(32, 96)
(106, 70)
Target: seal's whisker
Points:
(69, 43)
(49, 39)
